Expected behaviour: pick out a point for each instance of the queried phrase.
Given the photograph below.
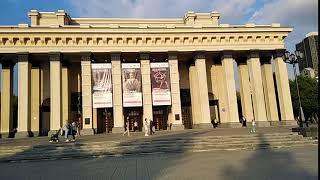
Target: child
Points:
(253, 130)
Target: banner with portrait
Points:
(160, 83)
(131, 84)
(102, 85)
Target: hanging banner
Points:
(131, 84)
(102, 85)
(160, 82)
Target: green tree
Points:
(308, 88)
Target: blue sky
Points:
(302, 15)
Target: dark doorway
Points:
(160, 117)
(104, 120)
(186, 108)
(133, 114)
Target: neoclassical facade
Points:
(105, 71)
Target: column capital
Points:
(253, 54)
(54, 56)
(266, 59)
(172, 55)
(23, 56)
(278, 53)
(144, 55)
(115, 56)
(200, 54)
(227, 54)
(86, 56)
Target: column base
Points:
(22, 134)
(5, 135)
(263, 123)
(117, 130)
(231, 125)
(203, 126)
(177, 127)
(288, 123)
(85, 132)
(274, 123)
(34, 133)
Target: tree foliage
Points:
(308, 88)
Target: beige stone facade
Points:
(55, 54)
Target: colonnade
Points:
(257, 91)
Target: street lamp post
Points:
(293, 59)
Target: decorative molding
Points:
(68, 41)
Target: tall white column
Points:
(283, 89)
(269, 91)
(175, 117)
(195, 108)
(55, 92)
(257, 89)
(23, 95)
(6, 121)
(35, 99)
(230, 88)
(245, 91)
(146, 85)
(117, 93)
(200, 65)
(86, 89)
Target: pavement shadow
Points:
(119, 161)
(267, 163)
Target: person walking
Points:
(151, 126)
(127, 128)
(244, 122)
(78, 123)
(146, 127)
(253, 130)
(135, 126)
(215, 122)
(66, 129)
(73, 130)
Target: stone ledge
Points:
(117, 130)
(231, 125)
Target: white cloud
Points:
(302, 15)
(162, 8)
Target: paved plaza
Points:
(294, 163)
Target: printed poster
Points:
(102, 85)
(131, 84)
(160, 83)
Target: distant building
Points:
(309, 47)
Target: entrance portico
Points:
(196, 55)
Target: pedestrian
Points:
(78, 126)
(146, 127)
(73, 130)
(244, 122)
(215, 122)
(66, 129)
(150, 126)
(253, 130)
(127, 128)
(135, 126)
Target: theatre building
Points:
(103, 71)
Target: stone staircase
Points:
(168, 144)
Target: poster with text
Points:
(102, 85)
(131, 84)
(160, 82)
